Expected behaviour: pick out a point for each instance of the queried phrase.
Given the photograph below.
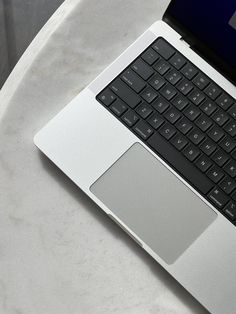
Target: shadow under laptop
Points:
(160, 273)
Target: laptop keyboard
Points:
(183, 116)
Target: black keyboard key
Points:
(143, 129)
(218, 198)
(192, 112)
(215, 174)
(133, 80)
(228, 185)
(191, 152)
(178, 61)
(230, 211)
(125, 93)
(167, 130)
(168, 91)
(208, 147)
(149, 94)
(184, 126)
(220, 157)
(157, 82)
(179, 141)
(220, 117)
(228, 144)
(150, 56)
(201, 81)
(230, 168)
(107, 97)
(118, 107)
(232, 111)
(160, 105)
(203, 163)
(172, 115)
(142, 69)
(196, 136)
(196, 97)
(215, 133)
(180, 102)
(156, 121)
(130, 118)
(204, 123)
(162, 67)
(208, 107)
(163, 48)
(180, 163)
(173, 77)
(230, 128)
(144, 110)
(189, 71)
(185, 86)
(225, 101)
(212, 91)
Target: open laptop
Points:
(152, 141)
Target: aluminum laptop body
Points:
(174, 223)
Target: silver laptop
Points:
(152, 141)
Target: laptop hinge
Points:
(185, 42)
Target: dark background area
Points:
(20, 21)
(209, 22)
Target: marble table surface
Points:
(59, 254)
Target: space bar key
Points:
(180, 163)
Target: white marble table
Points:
(59, 254)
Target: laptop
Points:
(152, 141)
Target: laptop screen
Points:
(210, 27)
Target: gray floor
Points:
(20, 21)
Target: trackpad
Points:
(153, 203)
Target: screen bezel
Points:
(199, 46)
